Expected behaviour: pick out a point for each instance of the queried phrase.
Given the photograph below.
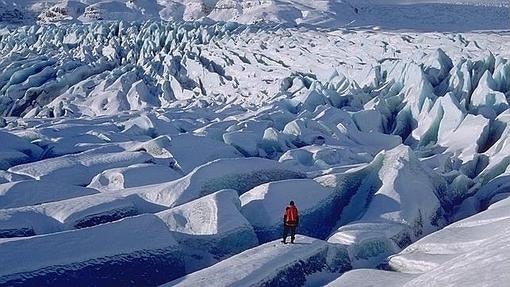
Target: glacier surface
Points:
(164, 152)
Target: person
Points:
(290, 222)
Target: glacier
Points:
(163, 151)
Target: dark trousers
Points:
(289, 229)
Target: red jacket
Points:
(291, 217)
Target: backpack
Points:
(291, 214)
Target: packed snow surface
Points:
(270, 264)
(165, 152)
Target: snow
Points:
(238, 174)
(71, 213)
(194, 224)
(32, 192)
(143, 236)
(394, 215)
(80, 84)
(210, 228)
(270, 263)
(79, 169)
(15, 150)
(263, 206)
(84, 211)
(467, 252)
(133, 176)
(371, 278)
(191, 151)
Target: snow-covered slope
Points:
(124, 252)
(394, 214)
(470, 252)
(210, 228)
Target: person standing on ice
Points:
(290, 222)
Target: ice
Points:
(188, 151)
(369, 121)
(194, 135)
(452, 117)
(15, 150)
(323, 157)
(133, 176)
(394, 215)
(272, 263)
(438, 66)
(210, 228)
(346, 131)
(371, 278)
(303, 132)
(79, 169)
(472, 129)
(486, 95)
(6, 176)
(106, 207)
(238, 174)
(244, 142)
(458, 254)
(274, 142)
(501, 75)
(147, 243)
(440, 121)
(215, 130)
(264, 205)
(32, 192)
(498, 161)
(311, 100)
(66, 214)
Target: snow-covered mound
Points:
(32, 192)
(240, 174)
(469, 252)
(188, 151)
(84, 211)
(79, 169)
(74, 213)
(210, 228)
(141, 245)
(133, 176)
(15, 151)
(394, 214)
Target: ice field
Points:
(164, 151)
